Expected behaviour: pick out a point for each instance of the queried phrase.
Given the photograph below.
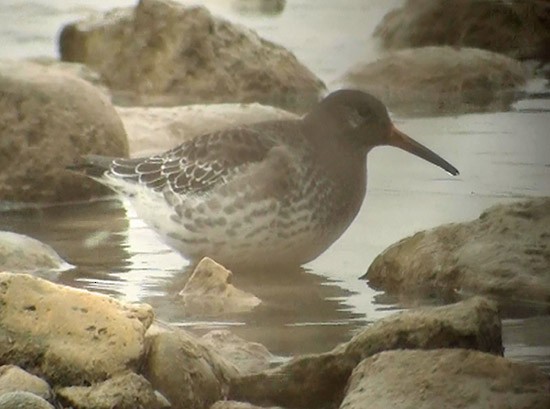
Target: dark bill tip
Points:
(401, 140)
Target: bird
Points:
(265, 195)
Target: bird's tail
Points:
(92, 165)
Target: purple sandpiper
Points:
(268, 194)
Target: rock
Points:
(440, 80)
(127, 391)
(165, 53)
(47, 119)
(318, 381)
(517, 28)
(230, 404)
(270, 7)
(446, 378)
(155, 129)
(20, 253)
(188, 374)
(13, 378)
(68, 336)
(504, 253)
(248, 357)
(23, 400)
(209, 292)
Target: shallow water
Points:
(501, 156)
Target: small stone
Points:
(23, 400)
(13, 378)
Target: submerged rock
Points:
(504, 253)
(165, 53)
(318, 381)
(49, 117)
(209, 292)
(440, 80)
(20, 253)
(517, 28)
(446, 378)
(68, 336)
(152, 130)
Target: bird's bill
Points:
(401, 140)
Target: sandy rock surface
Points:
(445, 378)
(48, 118)
(318, 381)
(517, 28)
(20, 253)
(209, 292)
(68, 336)
(165, 53)
(504, 253)
(440, 80)
(153, 130)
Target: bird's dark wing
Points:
(198, 165)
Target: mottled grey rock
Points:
(517, 28)
(248, 357)
(127, 391)
(445, 378)
(165, 53)
(231, 404)
(48, 118)
(318, 381)
(440, 80)
(189, 374)
(13, 378)
(504, 253)
(68, 336)
(152, 130)
(209, 292)
(23, 400)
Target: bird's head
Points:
(363, 120)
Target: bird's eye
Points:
(354, 117)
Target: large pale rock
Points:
(152, 130)
(446, 378)
(517, 28)
(440, 80)
(20, 253)
(189, 374)
(248, 357)
(125, 391)
(165, 53)
(318, 381)
(68, 336)
(209, 292)
(48, 118)
(505, 253)
(13, 378)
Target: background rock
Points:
(68, 336)
(209, 292)
(504, 253)
(230, 404)
(445, 379)
(318, 381)
(248, 357)
(440, 80)
(517, 28)
(13, 378)
(152, 130)
(48, 118)
(20, 253)
(165, 53)
(188, 374)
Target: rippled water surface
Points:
(501, 156)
